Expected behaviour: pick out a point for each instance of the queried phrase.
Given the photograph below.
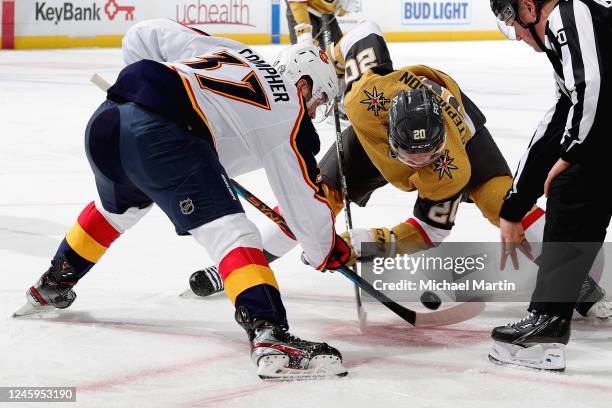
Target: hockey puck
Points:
(430, 300)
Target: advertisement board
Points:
(442, 12)
(70, 23)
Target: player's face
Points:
(416, 160)
(312, 104)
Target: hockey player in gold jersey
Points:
(304, 18)
(465, 165)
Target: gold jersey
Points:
(363, 57)
(316, 7)
(372, 83)
(301, 10)
(367, 103)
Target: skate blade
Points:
(601, 310)
(552, 357)
(189, 294)
(274, 368)
(29, 310)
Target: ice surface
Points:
(129, 340)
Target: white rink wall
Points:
(77, 23)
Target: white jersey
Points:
(255, 118)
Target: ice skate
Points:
(52, 291)
(536, 341)
(592, 301)
(281, 356)
(203, 283)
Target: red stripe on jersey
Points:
(419, 228)
(94, 224)
(532, 217)
(294, 133)
(240, 257)
(302, 163)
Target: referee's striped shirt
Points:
(578, 127)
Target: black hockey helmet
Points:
(416, 127)
(506, 11)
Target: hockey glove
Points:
(340, 255)
(379, 243)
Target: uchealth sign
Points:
(60, 12)
(436, 12)
(216, 12)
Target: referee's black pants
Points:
(577, 216)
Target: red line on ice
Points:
(227, 395)
(154, 372)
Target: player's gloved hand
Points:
(305, 38)
(339, 256)
(380, 242)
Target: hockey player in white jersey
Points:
(189, 112)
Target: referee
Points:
(567, 161)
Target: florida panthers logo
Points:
(444, 164)
(187, 206)
(323, 56)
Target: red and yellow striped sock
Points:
(87, 240)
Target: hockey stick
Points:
(326, 22)
(361, 314)
(452, 315)
(444, 317)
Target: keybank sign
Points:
(436, 12)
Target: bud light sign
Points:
(436, 12)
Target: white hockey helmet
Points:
(298, 60)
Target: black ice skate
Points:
(279, 355)
(592, 301)
(536, 341)
(203, 283)
(52, 291)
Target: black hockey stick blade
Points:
(407, 314)
(451, 315)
